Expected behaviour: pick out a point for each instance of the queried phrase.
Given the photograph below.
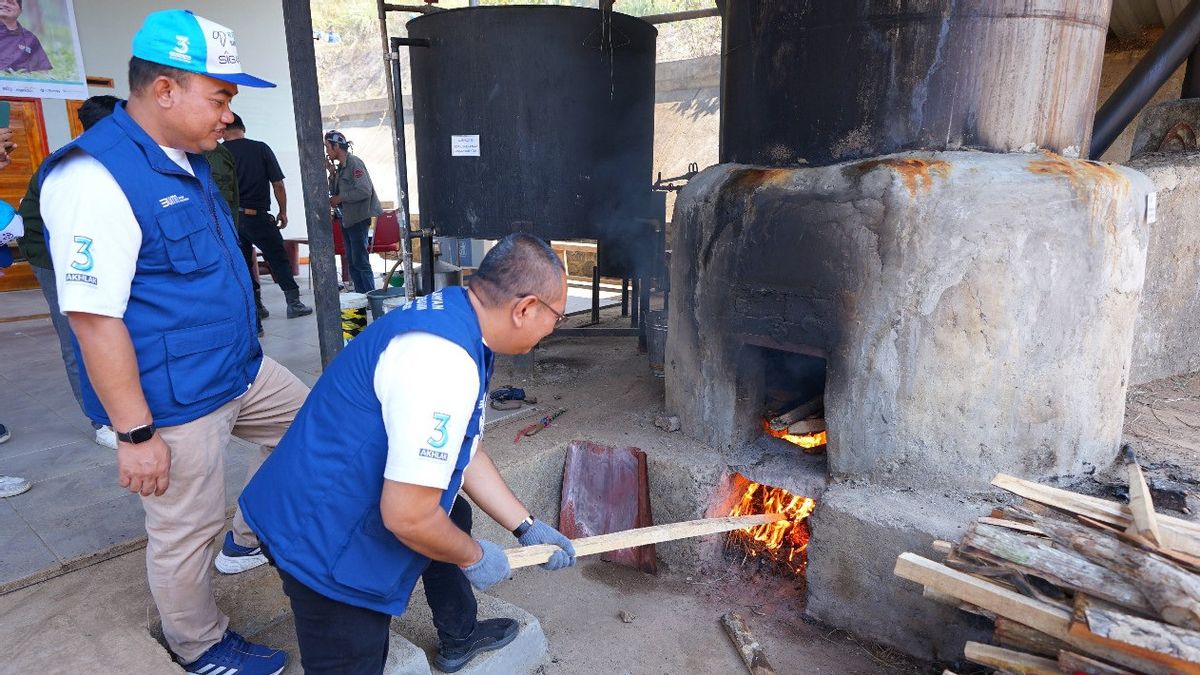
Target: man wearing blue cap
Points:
(150, 274)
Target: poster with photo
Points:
(39, 50)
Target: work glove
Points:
(491, 569)
(541, 533)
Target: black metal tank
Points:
(823, 81)
(533, 118)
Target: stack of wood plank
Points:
(1074, 583)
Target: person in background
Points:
(392, 431)
(152, 279)
(33, 246)
(224, 174)
(258, 175)
(19, 49)
(10, 486)
(351, 191)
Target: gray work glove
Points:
(541, 533)
(491, 569)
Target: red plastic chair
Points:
(386, 238)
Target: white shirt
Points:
(428, 387)
(93, 235)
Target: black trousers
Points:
(259, 230)
(340, 639)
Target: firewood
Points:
(1177, 534)
(1188, 562)
(1070, 662)
(525, 556)
(1011, 524)
(1011, 661)
(1040, 616)
(1171, 591)
(1015, 635)
(1171, 646)
(798, 413)
(951, 601)
(807, 427)
(943, 547)
(748, 648)
(1141, 505)
(1038, 556)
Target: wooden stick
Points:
(1070, 662)
(1010, 661)
(748, 647)
(1011, 524)
(1178, 534)
(798, 413)
(1170, 646)
(1141, 504)
(806, 427)
(525, 556)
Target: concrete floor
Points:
(102, 612)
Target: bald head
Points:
(519, 265)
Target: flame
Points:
(806, 441)
(783, 542)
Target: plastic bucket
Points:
(377, 297)
(393, 302)
(354, 315)
(656, 340)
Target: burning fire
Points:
(806, 441)
(782, 542)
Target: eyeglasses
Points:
(559, 317)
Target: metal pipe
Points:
(428, 263)
(395, 92)
(672, 17)
(297, 24)
(1176, 43)
(595, 294)
(419, 9)
(1191, 76)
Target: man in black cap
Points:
(256, 169)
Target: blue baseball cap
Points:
(180, 39)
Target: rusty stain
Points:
(1078, 172)
(916, 173)
(750, 179)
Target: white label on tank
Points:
(1151, 207)
(464, 146)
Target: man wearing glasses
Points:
(360, 498)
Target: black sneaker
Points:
(489, 635)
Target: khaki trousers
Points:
(182, 524)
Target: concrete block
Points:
(857, 533)
(1168, 319)
(405, 658)
(523, 655)
(975, 310)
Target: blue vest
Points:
(315, 500)
(191, 312)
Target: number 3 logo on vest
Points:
(440, 436)
(83, 255)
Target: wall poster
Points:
(39, 50)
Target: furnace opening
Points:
(794, 399)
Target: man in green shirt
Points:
(33, 247)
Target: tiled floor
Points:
(76, 509)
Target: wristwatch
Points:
(139, 434)
(523, 527)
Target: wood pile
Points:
(1074, 583)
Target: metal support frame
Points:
(1178, 41)
(297, 24)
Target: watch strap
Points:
(523, 527)
(138, 434)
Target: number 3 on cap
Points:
(439, 439)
